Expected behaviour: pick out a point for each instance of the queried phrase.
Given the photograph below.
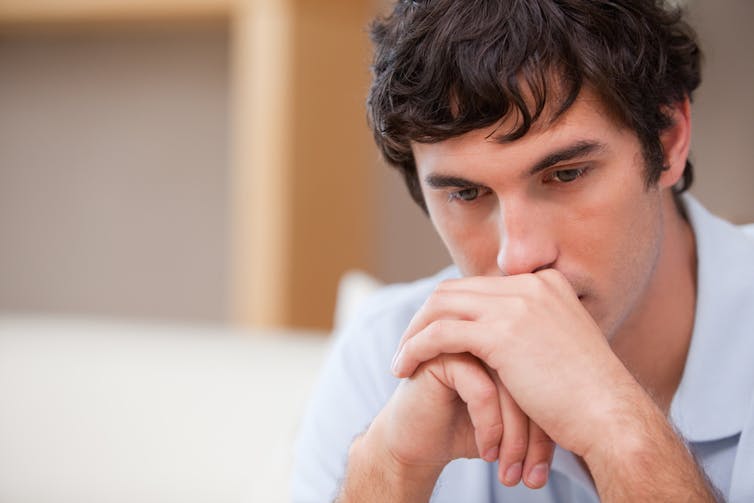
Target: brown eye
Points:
(567, 175)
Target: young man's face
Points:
(571, 197)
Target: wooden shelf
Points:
(301, 151)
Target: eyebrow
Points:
(574, 151)
(440, 181)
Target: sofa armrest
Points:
(95, 412)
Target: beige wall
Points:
(407, 245)
(723, 139)
(113, 170)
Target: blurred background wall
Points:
(209, 160)
(723, 114)
(114, 170)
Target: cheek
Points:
(473, 247)
(617, 214)
(625, 229)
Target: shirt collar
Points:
(712, 400)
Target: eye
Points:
(566, 175)
(466, 195)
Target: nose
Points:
(527, 240)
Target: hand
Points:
(535, 334)
(454, 407)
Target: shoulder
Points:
(748, 230)
(720, 244)
(718, 374)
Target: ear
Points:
(676, 141)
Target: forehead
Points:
(585, 120)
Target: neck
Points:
(654, 342)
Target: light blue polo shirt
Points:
(712, 408)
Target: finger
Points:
(445, 336)
(470, 298)
(464, 298)
(538, 457)
(492, 285)
(515, 437)
(446, 304)
(518, 284)
(478, 390)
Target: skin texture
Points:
(565, 251)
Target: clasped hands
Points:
(501, 368)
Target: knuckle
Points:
(515, 447)
(445, 286)
(485, 392)
(541, 444)
(440, 299)
(493, 356)
(430, 366)
(451, 364)
(492, 432)
(435, 328)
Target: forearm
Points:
(372, 476)
(648, 461)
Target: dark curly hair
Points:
(443, 68)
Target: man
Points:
(594, 340)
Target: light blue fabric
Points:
(712, 408)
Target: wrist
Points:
(374, 444)
(634, 441)
(374, 473)
(627, 432)
(644, 459)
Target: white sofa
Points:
(95, 411)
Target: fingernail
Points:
(492, 454)
(538, 475)
(513, 474)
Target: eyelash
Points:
(550, 178)
(457, 195)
